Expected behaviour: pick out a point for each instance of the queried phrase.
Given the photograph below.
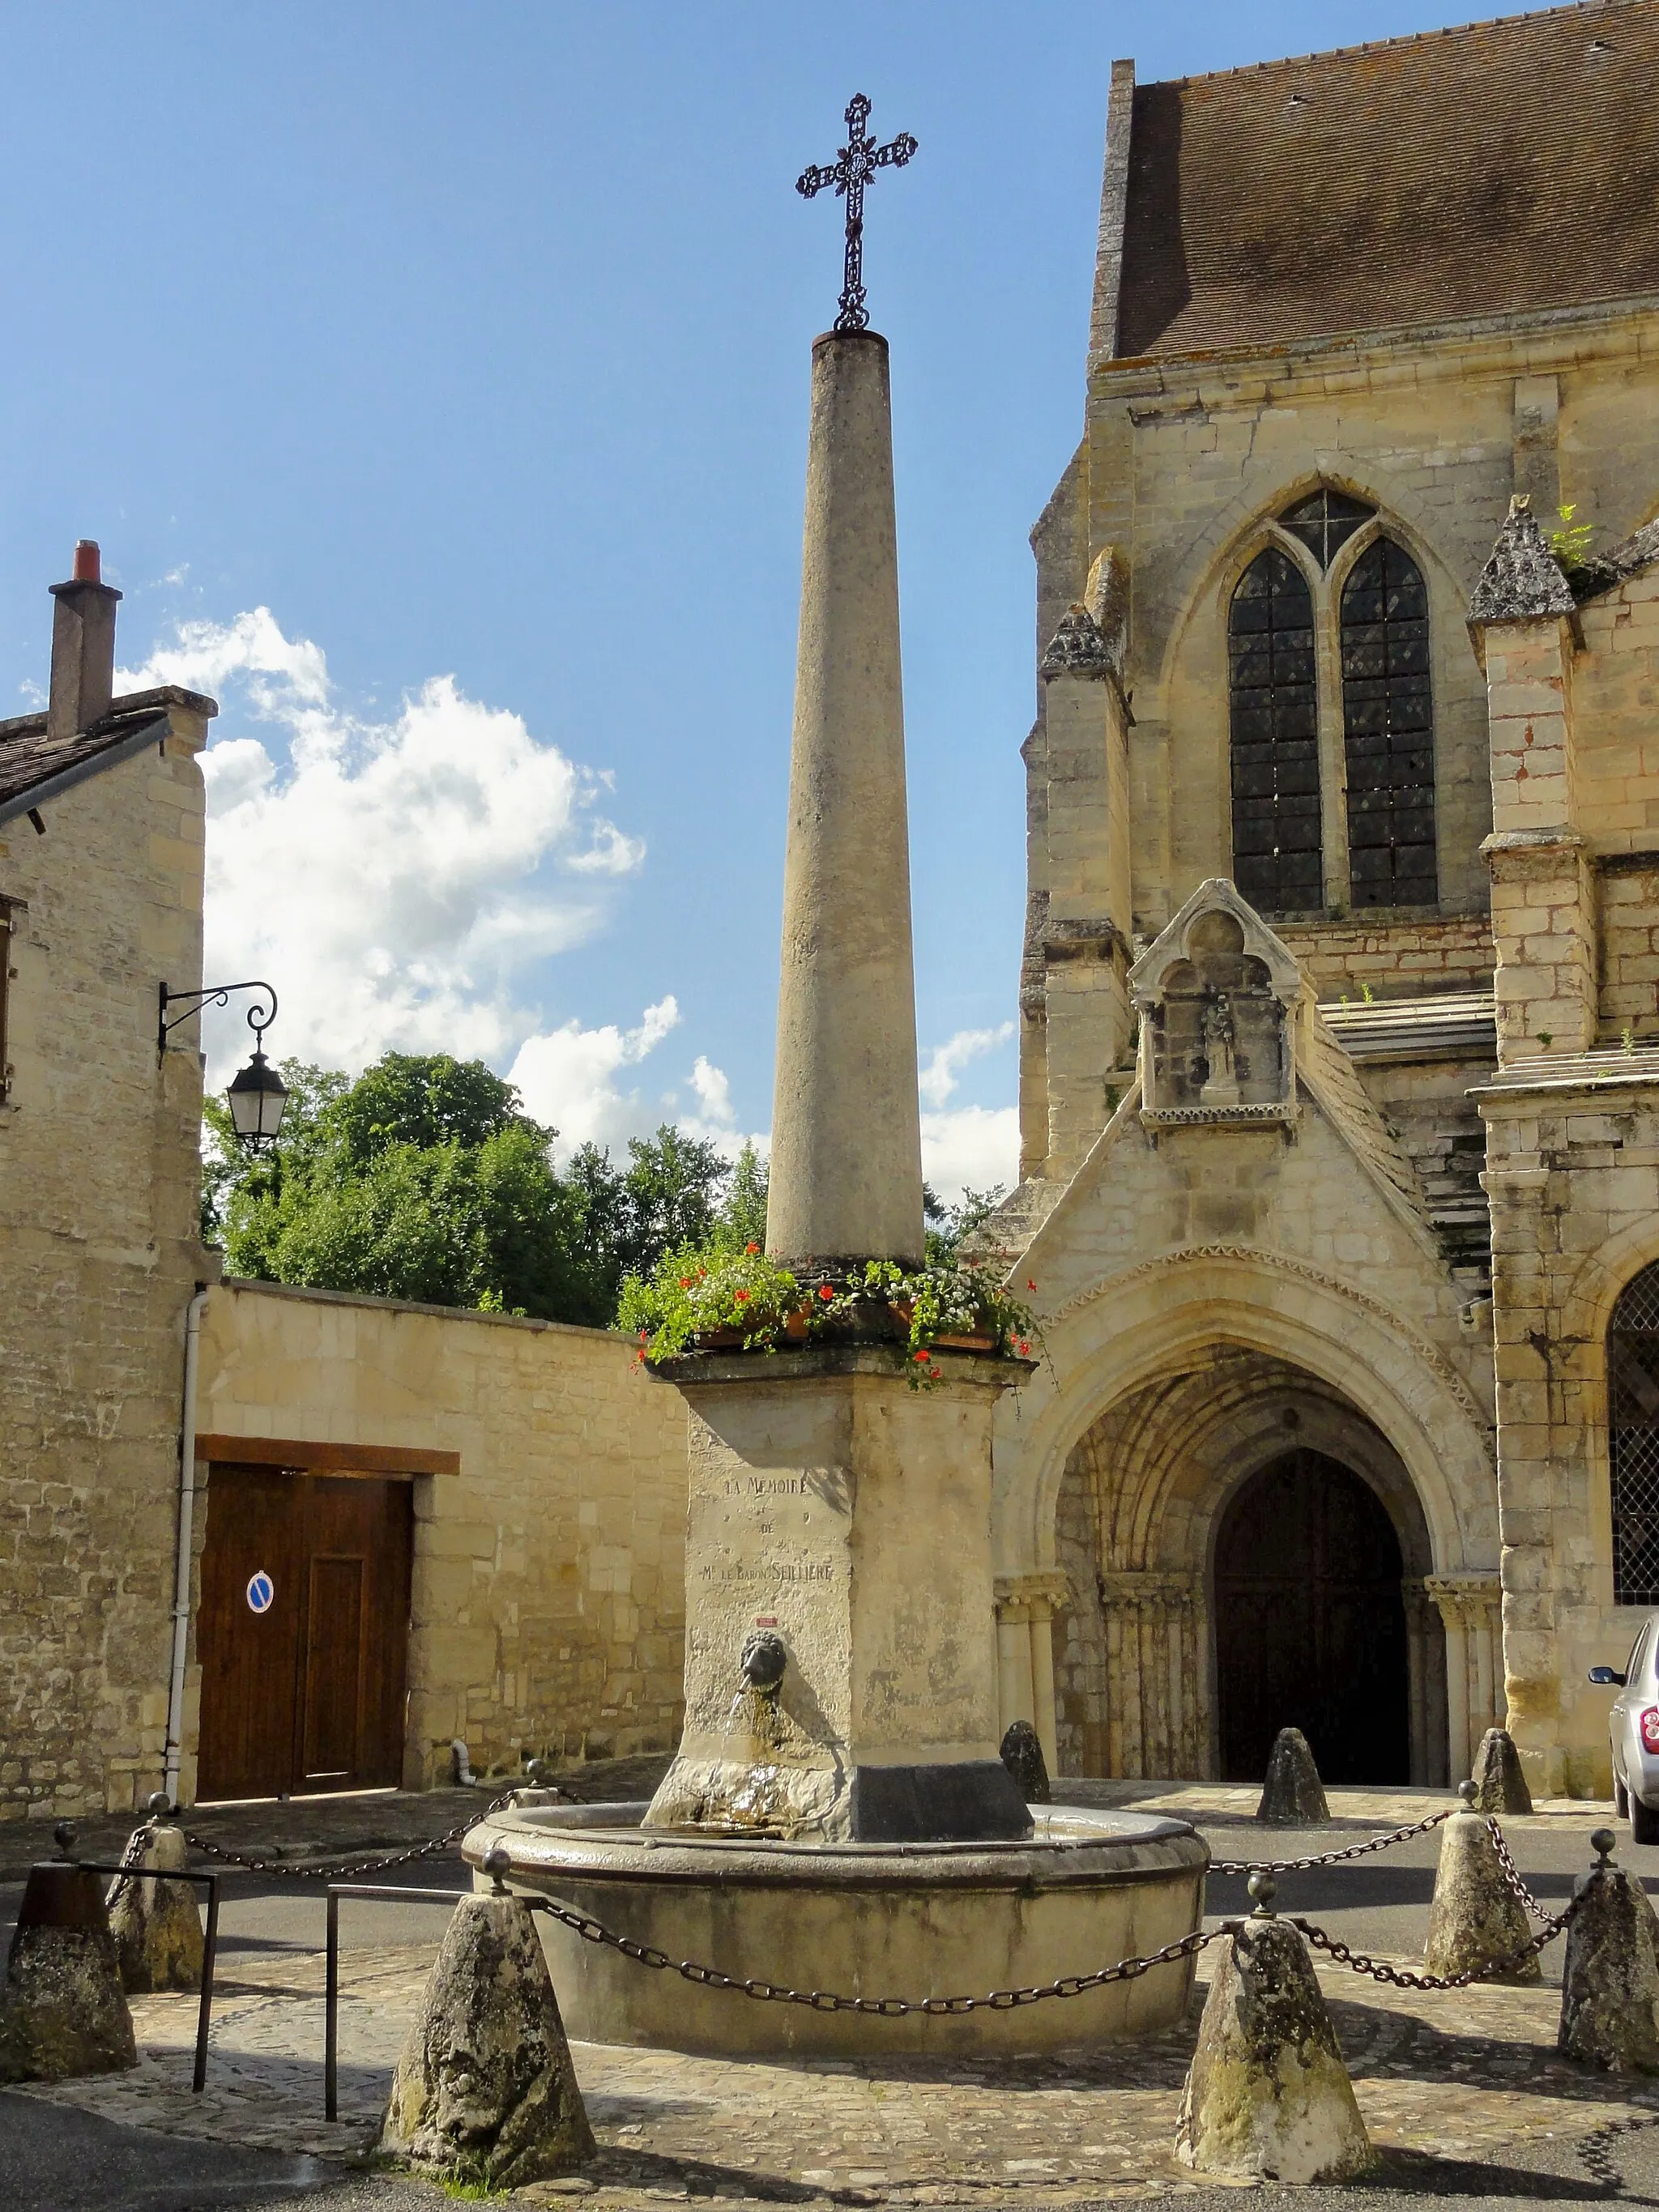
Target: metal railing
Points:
(135, 1871)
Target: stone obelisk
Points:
(841, 1668)
(846, 1174)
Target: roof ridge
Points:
(1404, 38)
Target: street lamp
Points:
(258, 1095)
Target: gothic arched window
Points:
(1387, 722)
(1275, 737)
(1633, 1438)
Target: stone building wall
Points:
(1573, 1177)
(1628, 981)
(548, 1604)
(1394, 959)
(99, 1178)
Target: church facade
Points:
(1339, 1001)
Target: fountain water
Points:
(837, 1818)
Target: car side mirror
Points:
(1604, 1675)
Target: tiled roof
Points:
(1499, 166)
(1446, 1025)
(34, 768)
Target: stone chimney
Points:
(82, 647)
(846, 1180)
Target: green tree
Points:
(423, 1179)
(744, 1210)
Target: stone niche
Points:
(1216, 994)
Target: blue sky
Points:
(434, 379)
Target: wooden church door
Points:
(1310, 1623)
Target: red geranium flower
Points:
(923, 1356)
(933, 1374)
(742, 1294)
(685, 1282)
(1030, 1285)
(751, 1248)
(1024, 1349)
(824, 1290)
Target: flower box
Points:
(976, 1342)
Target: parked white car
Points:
(1634, 1730)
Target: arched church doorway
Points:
(1310, 1623)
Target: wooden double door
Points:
(1310, 1623)
(302, 1631)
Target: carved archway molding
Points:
(1187, 1302)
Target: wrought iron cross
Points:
(860, 157)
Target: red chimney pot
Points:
(88, 568)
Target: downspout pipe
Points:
(193, 1314)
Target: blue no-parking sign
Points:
(260, 1591)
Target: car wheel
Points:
(1620, 1799)
(1644, 1822)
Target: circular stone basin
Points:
(865, 1920)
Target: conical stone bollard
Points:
(63, 2011)
(1500, 1784)
(485, 2091)
(1292, 1795)
(1610, 1982)
(156, 1926)
(1021, 1752)
(1268, 2097)
(1475, 1918)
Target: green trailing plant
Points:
(1627, 1037)
(700, 1290)
(699, 1294)
(931, 1303)
(1571, 543)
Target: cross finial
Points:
(860, 159)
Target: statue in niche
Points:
(1221, 1041)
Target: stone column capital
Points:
(1021, 1597)
(1465, 1600)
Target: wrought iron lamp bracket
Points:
(217, 994)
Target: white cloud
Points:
(970, 1148)
(967, 1147)
(397, 880)
(568, 1077)
(939, 1077)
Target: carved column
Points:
(1026, 1605)
(1471, 1608)
(1156, 1706)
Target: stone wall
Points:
(1629, 980)
(99, 1175)
(1574, 1182)
(1394, 959)
(547, 1606)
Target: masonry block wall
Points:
(548, 1606)
(99, 1183)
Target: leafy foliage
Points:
(701, 1291)
(424, 1179)
(1571, 543)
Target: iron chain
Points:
(1511, 1874)
(1402, 1978)
(443, 1843)
(712, 1978)
(1332, 1858)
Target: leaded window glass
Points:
(1633, 1426)
(1326, 521)
(1388, 721)
(1277, 862)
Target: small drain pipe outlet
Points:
(193, 1314)
(463, 1774)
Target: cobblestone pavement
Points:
(1469, 2078)
(1456, 2076)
